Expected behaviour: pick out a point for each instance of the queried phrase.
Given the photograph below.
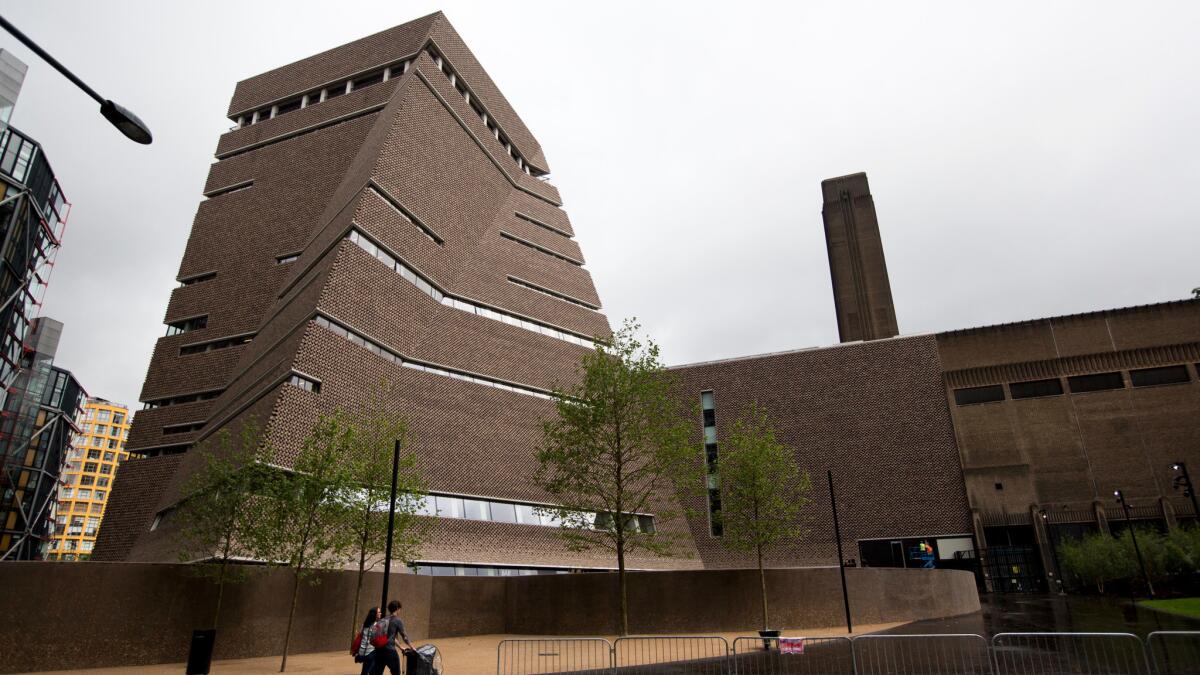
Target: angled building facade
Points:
(380, 214)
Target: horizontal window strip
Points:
(431, 289)
(541, 249)
(219, 343)
(229, 189)
(545, 226)
(197, 278)
(181, 399)
(354, 337)
(408, 215)
(552, 293)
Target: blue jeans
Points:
(387, 657)
(367, 662)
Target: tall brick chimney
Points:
(862, 294)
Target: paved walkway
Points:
(475, 655)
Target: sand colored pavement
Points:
(474, 655)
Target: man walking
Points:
(388, 655)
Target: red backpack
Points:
(379, 634)
(354, 646)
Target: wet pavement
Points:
(1037, 613)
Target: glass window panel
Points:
(710, 435)
(474, 509)
(449, 507)
(526, 516)
(504, 513)
(706, 400)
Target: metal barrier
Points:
(690, 655)
(820, 656)
(1069, 653)
(1174, 652)
(938, 654)
(554, 655)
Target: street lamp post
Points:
(1136, 549)
(837, 535)
(1053, 552)
(1185, 481)
(124, 120)
(387, 556)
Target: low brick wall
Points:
(121, 614)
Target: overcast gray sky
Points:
(1027, 158)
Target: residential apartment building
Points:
(86, 480)
(37, 426)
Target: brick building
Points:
(381, 213)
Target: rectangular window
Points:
(368, 80)
(527, 516)
(106, 468)
(93, 454)
(183, 326)
(305, 383)
(1081, 384)
(503, 512)
(288, 258)
(118, 418)
(449, 507)
(91, 467)
(1036, 388)
(973, 395)
(102, 482)
(110, 456)
(1152, 377)
(87, 480)
(288, 106)
(474, 509)
(335, 90)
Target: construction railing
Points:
(945, 654)
(796, 656)
(1174, 652)
(1054, 653)
(1162, 653)
(681, 654)
(562, 655)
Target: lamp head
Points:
(127, 122)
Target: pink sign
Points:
(792, 645)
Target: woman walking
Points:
(366, 651)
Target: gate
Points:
(820, 656)
(946, 654)
(1067, 653)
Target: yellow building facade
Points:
(87, 478)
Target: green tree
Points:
(370, 464)
(1097, 558)
(763, 491)
(310, 507)
(618, 444)
(221, 517)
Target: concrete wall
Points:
(123, 614)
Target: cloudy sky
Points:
(1027, 158)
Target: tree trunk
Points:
(220, 591)
(362, 563)
(624, 594)
(287, 636)
(762, 579)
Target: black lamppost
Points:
(837, 535)
(1136, 549)
(1053, 552)
(124, 120)
(1183, 480)
(387, 556)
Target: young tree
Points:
(310, 507)
(370, 463)
(619, 444)
(220, 518)
(763, 491)
(1097, 558)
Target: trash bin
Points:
(200, 653)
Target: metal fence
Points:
(816, 656)
(562, 655)
(1163, 653)
(674, 655)
(1174, 652)
(1069, 653)
(946, 654)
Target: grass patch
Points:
(1189, 607)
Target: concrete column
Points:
(1168, 513)
(1042, 535)
(1101, 517)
